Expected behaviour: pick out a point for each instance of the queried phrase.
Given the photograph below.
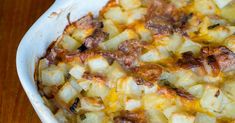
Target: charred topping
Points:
(96, 77)
(217, 93)
(213, 26)
(73, 107)
(147, 74)
(164, 18)
(82, 48)
(130, 117)
(188, 61)
(211, 60)
(172, 89)
(127, 53)
(97, 37)
(219, 58)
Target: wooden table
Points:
(16, 16)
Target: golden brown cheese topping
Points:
(144, 61)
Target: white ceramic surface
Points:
(35, 42)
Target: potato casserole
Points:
(144, 61)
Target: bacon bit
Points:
(164, 18)
(97, 37)
(149, 73)
(214, 65)
(224, 57)
(127, 54)
(188, 61)
(219, 58)
(86, 22)
(94, 77)
(131, 117)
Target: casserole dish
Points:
(35, 42)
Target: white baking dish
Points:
(35, 42)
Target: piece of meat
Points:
(55, 55)
(87, 22)
(93, 40)
(163, 18)
(130, 117)
(211, 60)
(127, 53)
(219, 57)
(188, 61)
(147, 74)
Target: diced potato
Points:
(116, 14)
(98, 90)
(204, 118)
(219, 34)
(52, 76)
(60, 116)
(112, 44)
(222, 3)
(69, 43)
(97, 64)
(132, 104)
(80, 34)
(64, 67)
(168, 111)
(114, 72)
(152, 55)
(67, 93)
(136, 14)
(85, 84)
(182, 118)
(173, 42)
(203, 26)
(163, 51)
(189, 45)
(211, 78)
(144, 33)
(43, 63)
(206, 7)
(94, 117)
(154, 101)
(230, 42)
(229, 89)
(186, 78)
(155, 116)
(149, 90)
(77, 71)
(196, 90)
(212, 99)
(228, 12)
(128, 86)
(74, 83)
(229, 110)
(130, 4)
(110, 28)
(180, 3)
(91, 104)
(113, 102)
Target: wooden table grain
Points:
(16, 16)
